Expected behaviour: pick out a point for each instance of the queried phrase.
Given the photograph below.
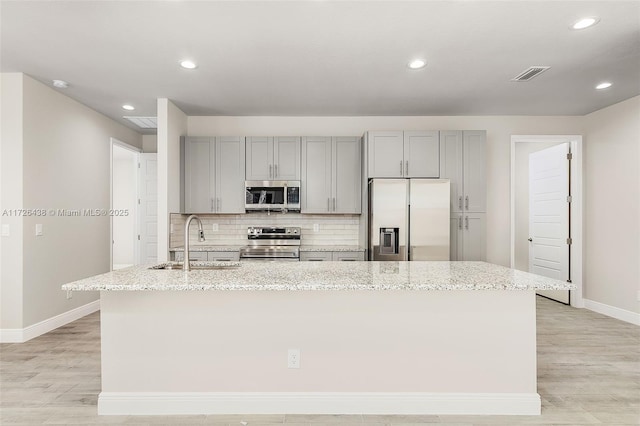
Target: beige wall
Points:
(66, 165)
(172, 124)
(612, 211)
(499, 130)
(11, 141)
(149, 143)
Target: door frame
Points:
(577, 205)
(116, 142)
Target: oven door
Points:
(269, 253)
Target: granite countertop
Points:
(237, 248)
(319, 276)
(330, 248)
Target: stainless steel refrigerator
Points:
(409, 219)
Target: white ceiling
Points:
(325, 58)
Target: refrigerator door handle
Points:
(406, 169)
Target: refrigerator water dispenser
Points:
(389, 240)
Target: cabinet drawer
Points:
(315, 256)
(193, 255)
(223, 256)
(348, 256)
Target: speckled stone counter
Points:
(237, 248)
(194, 247)
(331, 248)
(323, 276)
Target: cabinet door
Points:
(455, 235)
(345, 256)
(230, 163)
(475, 179)
(451, 165)
(286, 154)
(259, 158)
(474, 239)
(316, 175)
(199, 160)
(422, 154)
(347, 175)
(386, 154)
(315, 256)
(223, 256)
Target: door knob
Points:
(530, 240)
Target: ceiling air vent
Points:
(143, 122)
(530, 72)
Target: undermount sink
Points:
(198, 266)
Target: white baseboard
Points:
(21, 335)
(612, 311)
(170, 403)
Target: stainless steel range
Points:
(272, 244)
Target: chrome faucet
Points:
(187, 261)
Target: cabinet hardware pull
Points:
(334, 204)
(270, 170)
(401, 169)
(328, 204)
(466, 222)
(275, 174)
(460, 222)
(460, 202)
(212, 207)
(466, 202)
(218, 209)
(406, 169)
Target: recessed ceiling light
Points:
(128, 107)
(585, 23)
(416, 64)
(60, 84)
(188, 64)
(603, 85)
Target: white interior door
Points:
(549, 216)
(148, 208)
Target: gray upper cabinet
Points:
(386, 154)
(463, 161)
(331, 175)
(270, 158)
(422, 154)
(213, 175)
(398, 154)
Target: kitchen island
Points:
(373, 337)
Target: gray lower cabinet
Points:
(213, 174)
(408, 154)
(331, 175)
(468, 236)
(273, 158)
(319, 256)
(212, 256)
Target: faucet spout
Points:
(187, 261)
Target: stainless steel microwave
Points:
(272, 195)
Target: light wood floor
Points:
(588, 373)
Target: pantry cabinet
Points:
(273, 158)
(468, 236)
(331, 175)
(403, 154)
(213, 174)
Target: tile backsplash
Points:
(232, 229)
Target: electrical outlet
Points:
(171, 229)
(214, 227)
(38, 229)
(6, 230)
(293, 358)
(316, 227)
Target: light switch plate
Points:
(38, 229)
(6, 230)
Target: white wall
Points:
(499, 130)
(11, 143)
(612, 210)
(125, 196)
(66, 161)
(523, 149)
(172, 123)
